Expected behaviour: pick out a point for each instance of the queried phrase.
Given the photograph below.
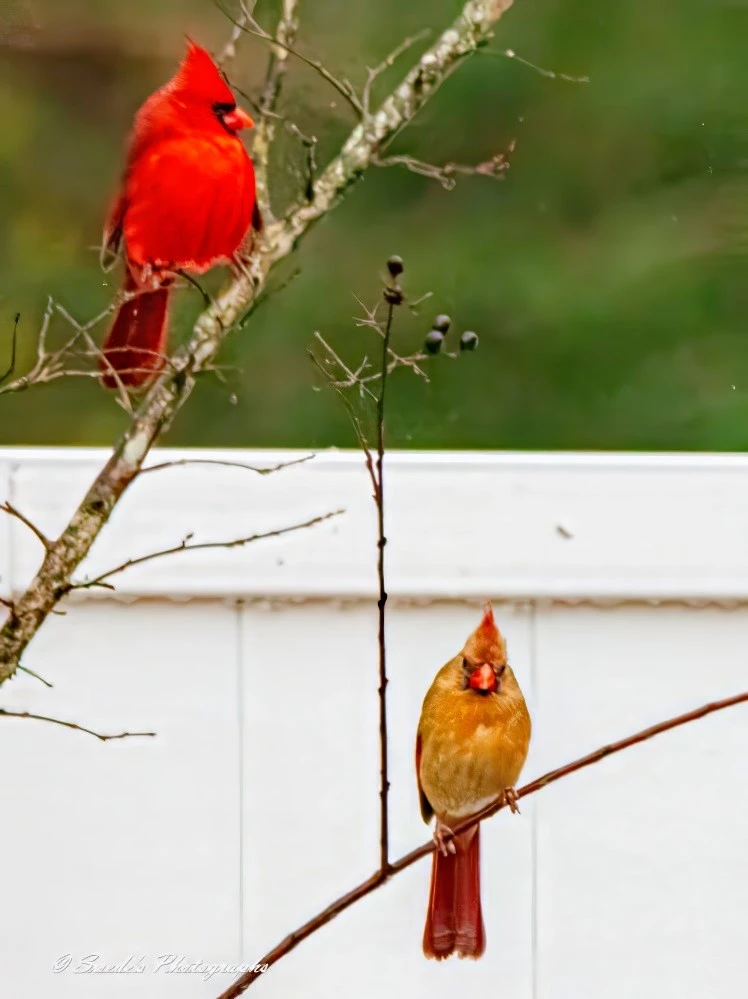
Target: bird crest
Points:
(486, 643)
(200, 78)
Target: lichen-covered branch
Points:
(468, 32)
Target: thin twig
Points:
(352, 377)
(309, 142)
(355, 421)
(377, 879)
(11, 367)
(25, 669)
(265, 294)
(496, 167)
(77, 728)
(228, 464)
(386, 63)
(24, 381)
(548, 73)
(285, 33)
(185, 546)
(394, 298)
(343, 87)
(228, 51)
(207, 300)
(105, 364)
(13, 512)
(50, 364)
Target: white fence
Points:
(621, 583)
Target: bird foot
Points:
(511, 798)
(444, 839)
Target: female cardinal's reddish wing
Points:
(187, 203)
(426, 810)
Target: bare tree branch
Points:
(344, 88)
(351, 378)
(549, 73)
(363, 376)
(36, 676)
(374, 73)
(228, 464)
(394, 297)
(228, 51)
(495, 167)
(53, 364)
(11, 510)
(78, 728)
(379, 877)
(285, 35)
(185, 546)
(13, 344)
(172, 388)
(309, 142)
(355, 421)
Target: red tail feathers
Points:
(136, 342)
(454, 921)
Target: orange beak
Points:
(237, 120)
(483, 678)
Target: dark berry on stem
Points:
(434, 341)
(395, 265)
(442, 323)
(468, 340)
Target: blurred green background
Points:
(606, 275)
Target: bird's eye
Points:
(500, 670)
(465, 673)
(223, 107)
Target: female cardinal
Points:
(472, 742)
(187, 202)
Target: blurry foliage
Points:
(606, 275)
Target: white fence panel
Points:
(257, 802)
(122, 848)
(643, 858)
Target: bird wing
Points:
(112, 238)
(426, 810)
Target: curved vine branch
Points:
(379, 877)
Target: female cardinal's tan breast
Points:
(470, 746)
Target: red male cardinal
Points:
(187, 202)
(472, 742)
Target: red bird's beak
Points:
(237, 119)
(483, 678)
